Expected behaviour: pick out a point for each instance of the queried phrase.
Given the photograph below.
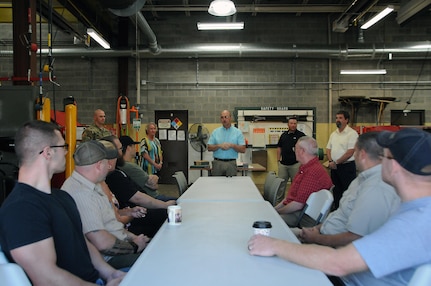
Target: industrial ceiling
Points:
(150, 19)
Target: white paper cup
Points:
(174, 215)
(262, 227)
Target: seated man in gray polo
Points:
(149, 183)
(366, 204)
(120, 247)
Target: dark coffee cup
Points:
(262, 227)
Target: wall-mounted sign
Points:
(164, 123)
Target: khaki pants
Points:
(287, 172)
(223, 168)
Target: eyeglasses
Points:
(65, 147)
(224, 117)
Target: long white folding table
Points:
(210, 246)
(222, 189)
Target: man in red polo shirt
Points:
(311, 177)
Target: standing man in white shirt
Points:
(339, 151)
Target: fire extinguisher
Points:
(123, 116)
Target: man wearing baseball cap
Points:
(390, 255)
(120, 247)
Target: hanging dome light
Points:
(222, 8)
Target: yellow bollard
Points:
(45, 113)
(70, 137)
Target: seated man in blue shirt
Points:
(226, 142)
(391, 254)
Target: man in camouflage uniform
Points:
(96, 130)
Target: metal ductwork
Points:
(125, 8)
(132, 9)
(140, 21)
(338, 52)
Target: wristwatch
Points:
(135, 246)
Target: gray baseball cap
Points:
(90, 152)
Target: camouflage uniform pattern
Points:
(93, 132)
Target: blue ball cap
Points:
(410, 147)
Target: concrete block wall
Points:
(205, 86)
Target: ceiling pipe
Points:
(340, 52)
(133, 12)
(148, 32)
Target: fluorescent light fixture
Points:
(376, 71)
(222, 8)
(98, 38)
(221, 26)
(220, 47)
(378, 17)
(424, 46)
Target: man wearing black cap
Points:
(130, 194)
(149, 183)
(120, 247)
(390, 255)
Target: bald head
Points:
(225, 118)
(99, 117)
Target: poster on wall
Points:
(263, 126)
(259, 137)
(181, 135)
(172, 135)
(163, 134)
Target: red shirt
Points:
(311, 177)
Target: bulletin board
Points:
(263, 126)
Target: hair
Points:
(368, 143)
(292, 118)
(309, 144)
(32, 137)
(345, 114)
(148, 126)
(228, 111)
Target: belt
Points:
(224, 160)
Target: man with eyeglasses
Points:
(226, 142)
(391, 254)
(40, 227)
